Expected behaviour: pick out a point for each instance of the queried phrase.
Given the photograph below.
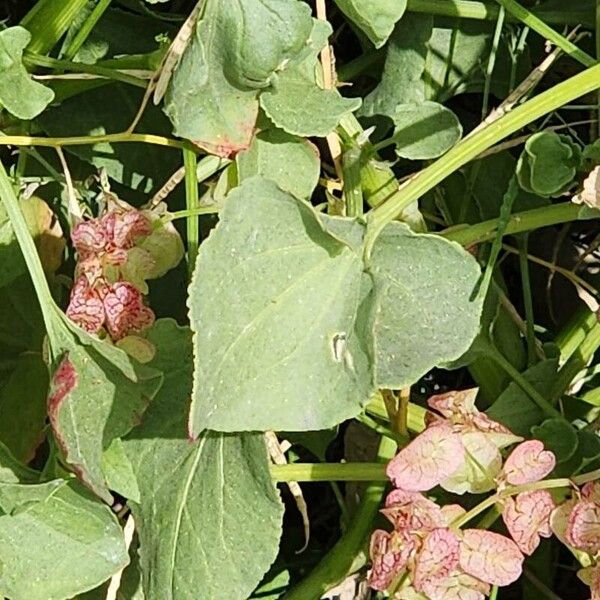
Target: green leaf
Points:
(375, 18)
(209, 517)
(56, 541)
(11, 259)
(548, 164)
(423, 314)
(404, 65)
(515, 409)
(559, 436)
(234, 52)
(23, 406)
(295, 102)
(291, 162)
(111, 109)
(98, 394)
(272, 303)
(12, 471)
(118, 471)
(19, 94)
(425, 130)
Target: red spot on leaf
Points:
(63, 382)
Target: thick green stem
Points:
(475, 144)
(347, 555)
(312, 472)
(539, 26)
(48, 20)
(564, 212)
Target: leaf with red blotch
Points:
(389, 554)
(98, 394)
(583, 528)
(528, 462)
(411, 512)
(527, 518)
(436, 559)
(431, 457)
(491, 557)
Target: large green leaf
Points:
(376, 18)
(11, 259)
(19, 94)
(98, 394)
(401, 80)
(56, 541)
(425, 130)
(295, 102)
(236, 48)
(272, 305)
(23, 406)
(290, 161)
(423, 313)
(209, 517)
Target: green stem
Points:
(490, 501)
(564, 212)
(48, 20)
(67, 65)
(539, 26)
(194, 212)
(527, 299)
(30, 254)
(191, 202)
(86, 28)
(353, 196)
(473, 145)
(311, 472)
(489, 12)
(346, 556)
(382, 430)
(518, 378)
(577, 361)
(574, 332)
(83, 140)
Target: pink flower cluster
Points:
(427, 554)
(116, 253)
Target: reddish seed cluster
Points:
(97, 303)
(426, 554)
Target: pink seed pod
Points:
(85, 307)
(125, 310)
(491, 557)
(389, 553)
(527, 518)
(436, 559)
(583, 526)
(528, 462)
(430, 458)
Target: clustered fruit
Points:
(428, 555)
(117, 253)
